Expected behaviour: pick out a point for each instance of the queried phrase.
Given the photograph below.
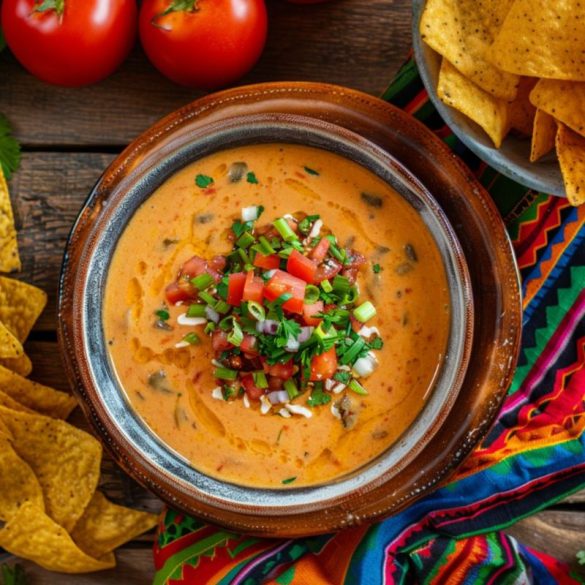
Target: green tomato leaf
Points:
(9, 148)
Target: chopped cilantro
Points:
(239, 227)
(311, 171)
(376, 268)
(288, 480)
(251, 178)
(318, 398)
(163, 314)
(377, 343)
(203, 181)
(9, 148)
(227, 392)
(342, 376)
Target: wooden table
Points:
(69, 136)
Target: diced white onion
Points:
(305, 333)
(316, 229)
(211, 314)
(298, 409)
(284, 413)
(278, 397)
(338, 388)
(329, 383)
(270, 273)
(368, 331)
(179, 303)
(292, 344)
(182, 344)
(217, 393)
(366, 365)
(289, 216)
(344, 368)
(182, 319)
(335, 411)
(250, 213)
(215, 363)
(265, 404)
(246, 401)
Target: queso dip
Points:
(276, 314)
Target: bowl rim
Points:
(92, 207)
(474, 137)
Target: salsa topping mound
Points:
(288, 327)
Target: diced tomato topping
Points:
(251, 389)
(249, 345)
(179, 292)
(236, 282)
(319, 252)
(310, 310)
(301, 266)
(282, 371)
(283, 282)
(219, 341)
(355, 324)
(268, 262)
(196, 266)
(253, 288)
(324, 366)
(351, 269)
(327, 270)
(275, 383)
(218, 263)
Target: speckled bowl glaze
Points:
(483, 342)
(512, 159)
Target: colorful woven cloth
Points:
(534, 456)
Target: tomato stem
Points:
(45, 5)
(174, 6)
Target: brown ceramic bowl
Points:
(483, 344)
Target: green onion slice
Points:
(284, 230)
(260, 379)
(225, 374)
(357, 387)
(237, 335)
(256, 310)
(364, 312)
(202, 281)
(311, 294)
(291, 388)
(196, 310)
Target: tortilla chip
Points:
(463, 95)
(462, 32)
(18, 483)
(66, 461)
(31, 534)
(521, 112)
(9, 402)
(20, 306)
(542, 38)
(105, 526)
(564, 100)
(571, 154)
(39, 398)
(9, 258)
(10, 347)
(21, 365)
(543, 135)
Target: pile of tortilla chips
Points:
(50, 511)
(516, 65)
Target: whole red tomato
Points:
(70, 42)
(203, 43)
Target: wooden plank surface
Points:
(71, 135)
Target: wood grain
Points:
(359, 43)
